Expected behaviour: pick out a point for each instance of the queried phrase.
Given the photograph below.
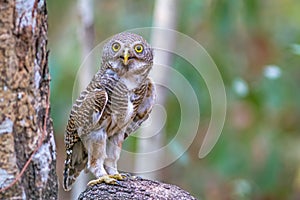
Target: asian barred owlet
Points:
(115, 103)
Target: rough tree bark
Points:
(27, 148)
(135, 188)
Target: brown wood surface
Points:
(135, 188)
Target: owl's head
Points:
(128, 53)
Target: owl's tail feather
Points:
(75, 162)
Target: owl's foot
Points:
(109, 179)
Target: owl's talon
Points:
(119, 177)
(108, 179)
(103, 179)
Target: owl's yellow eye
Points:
(138, 48)
(116, 47)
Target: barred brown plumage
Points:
(114, 104)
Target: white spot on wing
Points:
(69, 152)
(67, 162)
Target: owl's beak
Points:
(126, 56)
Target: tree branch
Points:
(135, 188)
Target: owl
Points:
(115, 103)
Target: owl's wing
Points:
(85, 113)
(144, 108)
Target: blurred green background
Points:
(256, 46)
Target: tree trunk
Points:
(135, 188)
(27, 148)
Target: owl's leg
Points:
(113, 149)
(96, 157)
(95, 144)
(103, 179)
(110, 162)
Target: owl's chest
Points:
(130, 82)
(119, 111)
(122, 103)
(123, 110)
(132, 86)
